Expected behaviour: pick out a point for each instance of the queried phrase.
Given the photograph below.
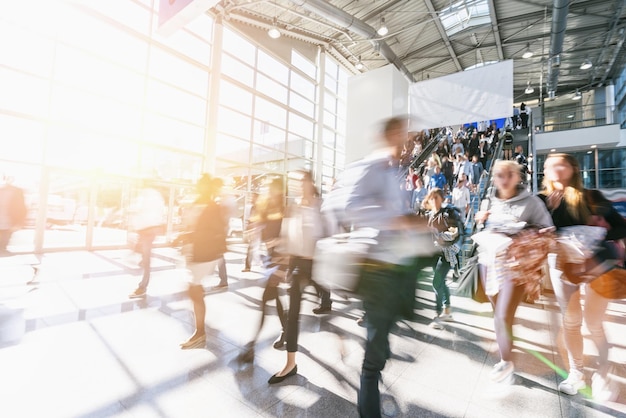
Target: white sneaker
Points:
(602, 389)
(436, 324)
(447, 317)
(502, 371)
(575, 381)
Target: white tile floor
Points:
(89, 351)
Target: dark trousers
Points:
(300, 269)
(504, 305)
(388, 293)
(145, 241)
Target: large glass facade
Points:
(600, 168)
(102, 101)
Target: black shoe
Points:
(280, 341)
(247, 356)
(278, 379)
(322, 309)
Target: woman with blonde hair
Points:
(571, 204)
(511, 206)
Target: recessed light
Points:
(553, 150)
(593, 146)
(589, 152)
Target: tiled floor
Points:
(89, 351)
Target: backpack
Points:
(449, 226)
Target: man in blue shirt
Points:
(437, 179)
(368, 195)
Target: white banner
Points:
(480, 94)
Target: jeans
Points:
(388, 293)
(568, 297)
(145, 239)
(442, 292)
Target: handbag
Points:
(611, 285)
(469, 283)
(339, 259)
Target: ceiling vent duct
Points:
(560, 8)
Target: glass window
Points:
(612, 158)
(201, 26)
(269, 112)
(67, 204)
(23, 93)
(237, 70)
(125, 12)
(181, 73)
(330, 83)
(40, 54)
(90, 73)
(232, 148)
(233, 123)
(330, 102)
(161, 130)
(340, 160)
(300, 126)
(328, 156)
(86, 32)
(184, 42)
(329, 119)
(303, 85)
(235, 97)
(273, 68)
(299, 146)
(95, 112)
(303, 64)
(85, 150)
(269, 135)
(169, 165)
(271, 88)
(21, 139)
(301, 104)
(328, 138)
(175, 103)
(268, 159)
(236, 45)
(612, 178)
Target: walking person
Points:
(12, 211)
(506, 289)
(147, 220)
(372, 199)
(205, 244)
(269, 217)
(447, 227)
(571, 204)
(306, 228)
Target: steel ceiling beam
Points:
(349, 22)
(496, 30)
(443, 34)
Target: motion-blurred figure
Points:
(12, 211)
(147, 222)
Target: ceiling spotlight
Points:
(529, 89)
(274, 33)
(382, 30)
(577, 96)
(587, 64)
(528, 53)
(359, 64)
